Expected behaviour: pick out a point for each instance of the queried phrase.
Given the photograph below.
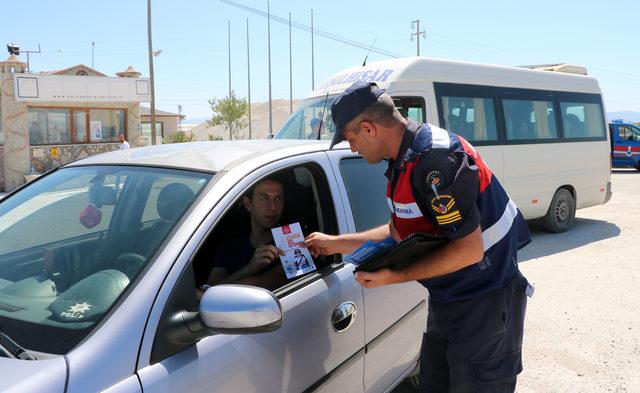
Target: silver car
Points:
(100, 261)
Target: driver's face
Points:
(267, 204)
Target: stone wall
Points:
(1, 166)
(16, 143)
(43, 160)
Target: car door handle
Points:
(344, 316)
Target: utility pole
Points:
(417, 34)
(290, 70)
(229, 48)
(179, 117)
(93, 46)
(313, 84)
(269, 48)
(248, 79)
(153, 96)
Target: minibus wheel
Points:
(561, 213)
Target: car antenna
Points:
(364, 63)
(322, 116)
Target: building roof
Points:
(144, 111)
(74, 70)
(13, 60)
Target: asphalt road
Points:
(582, 330)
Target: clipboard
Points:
(404, 253)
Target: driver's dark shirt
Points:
(235, 253)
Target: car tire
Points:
(561, 213)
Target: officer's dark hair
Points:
(275, 178)
(383, 111)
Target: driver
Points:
(252, 259)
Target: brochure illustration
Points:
(297, 259)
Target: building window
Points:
(106, 124)
(145, 133)
(50, 126)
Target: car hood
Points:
(33, 375)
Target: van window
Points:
(529, 119)
(469, 111)
(473, 118)
(366, 187)
(411, 107)
(582, 120)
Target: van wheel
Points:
(561, 213)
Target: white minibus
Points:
(542, 130)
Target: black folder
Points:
(409, 250)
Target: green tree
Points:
(214, 137)
(231, 112)
(180, 137)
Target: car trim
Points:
(336, 371)
(406, 317)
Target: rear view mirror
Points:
(102, 195)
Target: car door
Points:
(308, 352)
(396, 314)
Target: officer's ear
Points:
(369, 127)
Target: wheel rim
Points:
(562, 210)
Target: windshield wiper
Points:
(13, 348)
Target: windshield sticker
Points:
(76, 311)
(297, 260)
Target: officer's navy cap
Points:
(355, 99)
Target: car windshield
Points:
(304, 122)
(71, 242)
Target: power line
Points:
(315, 31)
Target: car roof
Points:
(209, 156)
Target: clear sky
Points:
(192, 34)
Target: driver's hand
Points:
(263, 256)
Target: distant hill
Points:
(629, 116)
(195, 120)
(259, 121)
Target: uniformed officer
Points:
(439, 184)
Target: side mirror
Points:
(236, 309)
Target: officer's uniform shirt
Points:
(442, 175)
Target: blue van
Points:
(625, 144)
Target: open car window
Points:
(307, 206)
(71, 243)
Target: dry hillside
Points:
(259, 122)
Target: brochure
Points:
(369, 249)
(297, 259)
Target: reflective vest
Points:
(504, 230)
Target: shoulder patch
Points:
(434, 180)
(445, 209)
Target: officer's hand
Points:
(320, 243)
(378, 278)
(263, 256)
(393, 231)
